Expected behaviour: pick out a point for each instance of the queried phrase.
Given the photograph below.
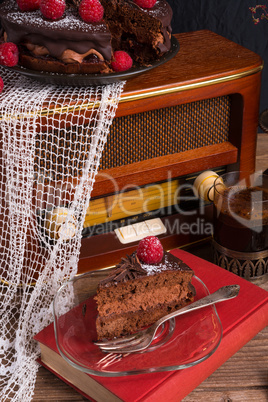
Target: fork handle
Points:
(224, 293)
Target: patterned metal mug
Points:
(240, 238)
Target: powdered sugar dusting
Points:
(165, 265)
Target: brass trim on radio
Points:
(185, 87)
(144, 95)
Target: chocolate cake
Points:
(70, 45)
(135, 294)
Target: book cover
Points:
(242, 318)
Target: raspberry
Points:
(150, 250)
(121, 61)
(28, 5)
(1, 84)
(91, 10)
(52, 9)
(9, 54)
(145, 3)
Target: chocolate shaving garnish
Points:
(128, 268)
(121, 275)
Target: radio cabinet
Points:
(196, 112)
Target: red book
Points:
(242, 318)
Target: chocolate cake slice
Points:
(135, 295)
(144, 33)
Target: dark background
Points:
(231, 19)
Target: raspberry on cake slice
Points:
(138, 291)
(150, 250)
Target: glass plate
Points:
(185, 341)
(95, 79)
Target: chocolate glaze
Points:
(70, 32)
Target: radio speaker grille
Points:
(137, 137)
(159, 132)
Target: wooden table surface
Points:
(244, 377)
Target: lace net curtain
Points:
(49, 156)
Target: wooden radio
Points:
(198, 111)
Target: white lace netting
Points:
(46, 171)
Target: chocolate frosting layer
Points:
(70, 32)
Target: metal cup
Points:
(240, 238)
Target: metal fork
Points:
(142, 339)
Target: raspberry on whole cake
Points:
(121, 61)
(91, 10)
(9, 54)
(28, 5)
(138, 293)
(52, 9)
(81, 36)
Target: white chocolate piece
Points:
(139, 230)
